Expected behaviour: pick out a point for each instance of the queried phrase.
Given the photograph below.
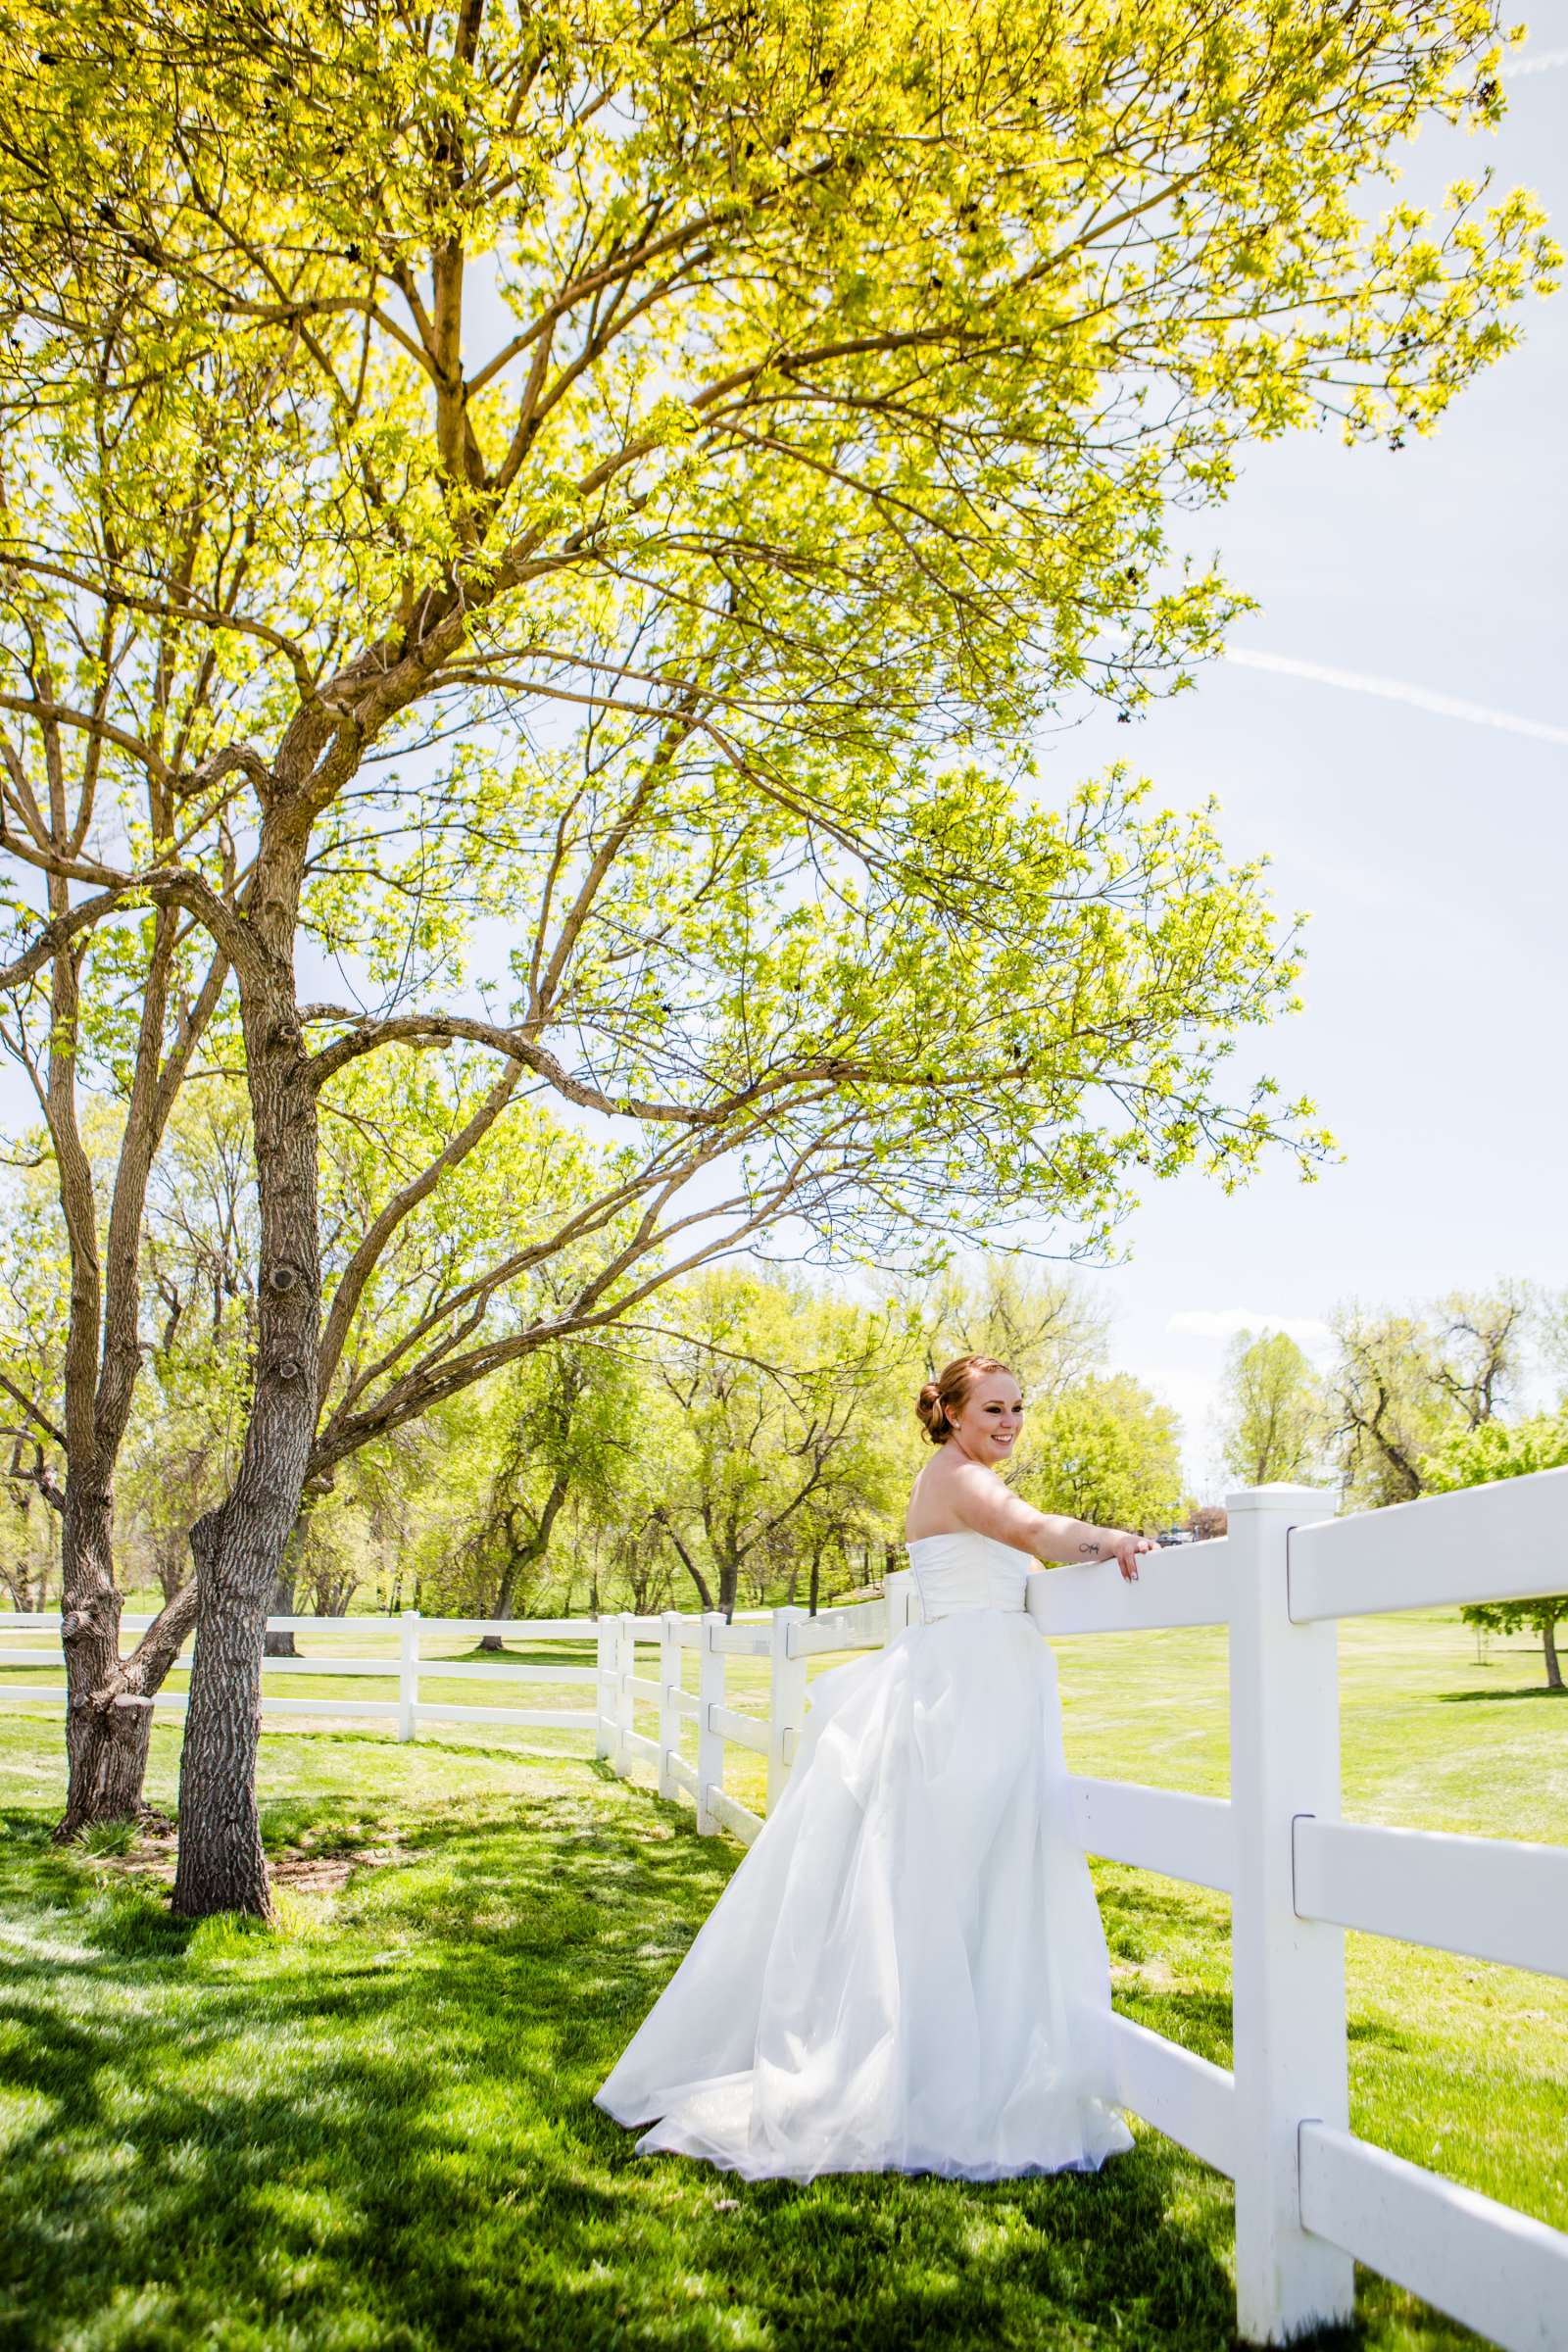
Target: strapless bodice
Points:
(966, 1571)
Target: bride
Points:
(907, 1972)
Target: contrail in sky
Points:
(1223, 1323)
(1396, 690)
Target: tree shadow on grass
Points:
(378, 2131)
(517, 1651)
(1469, 1698)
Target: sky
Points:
(1391, 728)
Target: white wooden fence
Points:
(405, 1664)
(1311, 2198)
(787, 1638)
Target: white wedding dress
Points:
(907, 1972)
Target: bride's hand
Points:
(1123, 1547)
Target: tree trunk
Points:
(686, 1561)
(221, 1865)
(502, 1599)
(816, 1581)
(503, 1608)
(286, 1582)
(108, 1748)
(1548, 1642)
(281, 1604)
(496, 1642)
(528, 1555)
(170, 1569)
(109, 1707)
(89, 1633)
(107, 1703)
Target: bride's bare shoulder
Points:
(937, 1498)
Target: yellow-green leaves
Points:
(617, 494)
(868, 301)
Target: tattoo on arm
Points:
(1092, 1550)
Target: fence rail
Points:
(1311, 2200)
(407, 1665)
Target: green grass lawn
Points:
(373, 2127)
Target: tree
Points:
(1549, 1322)
(803, 405)
(1105, 1449)
(1045, 1327)
(29, 1556)
(197, 1335)
(1406, 1381)
(773, 1387)
(75, 1384)
(34, 1308)
(1271, 1410)
(853, 1506)
(1474, 1458)
(557, 1429)
(1204, 1521)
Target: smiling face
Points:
(988, 1422)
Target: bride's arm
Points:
(985, 1504)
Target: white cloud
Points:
(1223, 1322)
(1542, 63)
(1398, 690)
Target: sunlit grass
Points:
(374, 2126)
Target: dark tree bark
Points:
(281, 1604)
(221, 1864)
(1548, 1642)
(687, 1562)
(109, 1720)
(105, 1744)
(89, 1633)
(108, 1748)
(527, 1555)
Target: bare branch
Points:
(33, 1410)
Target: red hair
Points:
(948, 1393)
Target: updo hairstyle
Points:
(949, 1393)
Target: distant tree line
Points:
(1414, 1402)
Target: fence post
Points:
(670, 1678)
(1288, 1973)
(896, 1588)
(407, 1672)
(625, 1668)
(710, 1742)
(786, 1701)
(604, 1692)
